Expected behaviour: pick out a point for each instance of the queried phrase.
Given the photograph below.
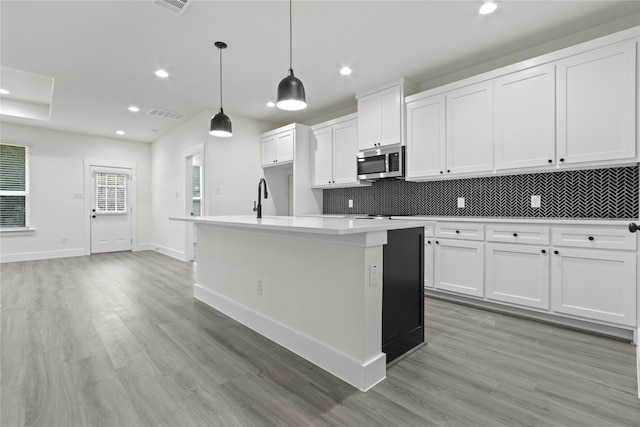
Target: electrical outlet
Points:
(350, 203)
(259, 287)
(374, 274)
(461, 203)
(535, 201)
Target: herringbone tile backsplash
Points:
(610, 193)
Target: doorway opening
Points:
(194, 196)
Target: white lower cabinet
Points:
(518, 274)
(585, 273)
(429, 244)
(596, 284)
(459, 266)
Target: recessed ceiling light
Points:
(162, 74)
(345, 71)
(271, 104)
(4, 91)
(488, 7)
(133, 109)
(120, 132)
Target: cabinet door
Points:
(285, 146)
(525, 118)
(596, 105)
(379, 118)
(470, 129)
(369, 113)
(426, 138)
(518, 274)
(345, 148)
(595, 284)
(269, 151)
(390, 119)
(323, 157)
(459, 267)
(429, 244)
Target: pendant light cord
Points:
(220, 50)
(290, 36)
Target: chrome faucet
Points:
(258, 208)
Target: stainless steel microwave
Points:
(379, 163)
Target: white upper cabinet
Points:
(525, 118)
(380, 115)
(322, 156)
(334, 149)
(596, 96)
(426, 138)
(345, 147)
(470, 129)
(573, 108)
(277, 148)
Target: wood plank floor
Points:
(117, 340)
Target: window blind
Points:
(14, 186)
(111, 192)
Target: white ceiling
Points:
(103, 54)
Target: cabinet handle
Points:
(457, 231)
(448, 170)
(590, 237)
(429, 242)
(437, 243)
(633, 227)
(562, 160)
(556, 252)
(549, 161)
(441, 172)
(515, 234)
(543, 251)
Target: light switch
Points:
(350, 203)
(461, 202)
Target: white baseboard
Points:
(168, 252)
(143, 247)
(362, 376)
(34, 256)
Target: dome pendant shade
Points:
(291, 94)
(220, 125)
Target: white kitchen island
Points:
(311, 284)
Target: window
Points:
(111, 193)
(14, 186)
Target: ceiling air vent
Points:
(176, 6)
(165, 113)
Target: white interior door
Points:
(111, 209)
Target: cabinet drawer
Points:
(460, 230)
(596, 237)
(518, 233)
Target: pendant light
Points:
(220, 123)
(290, 90)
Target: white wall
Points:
(232, 166)
(57, 174)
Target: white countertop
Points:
(306, 224)
(512, 220)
